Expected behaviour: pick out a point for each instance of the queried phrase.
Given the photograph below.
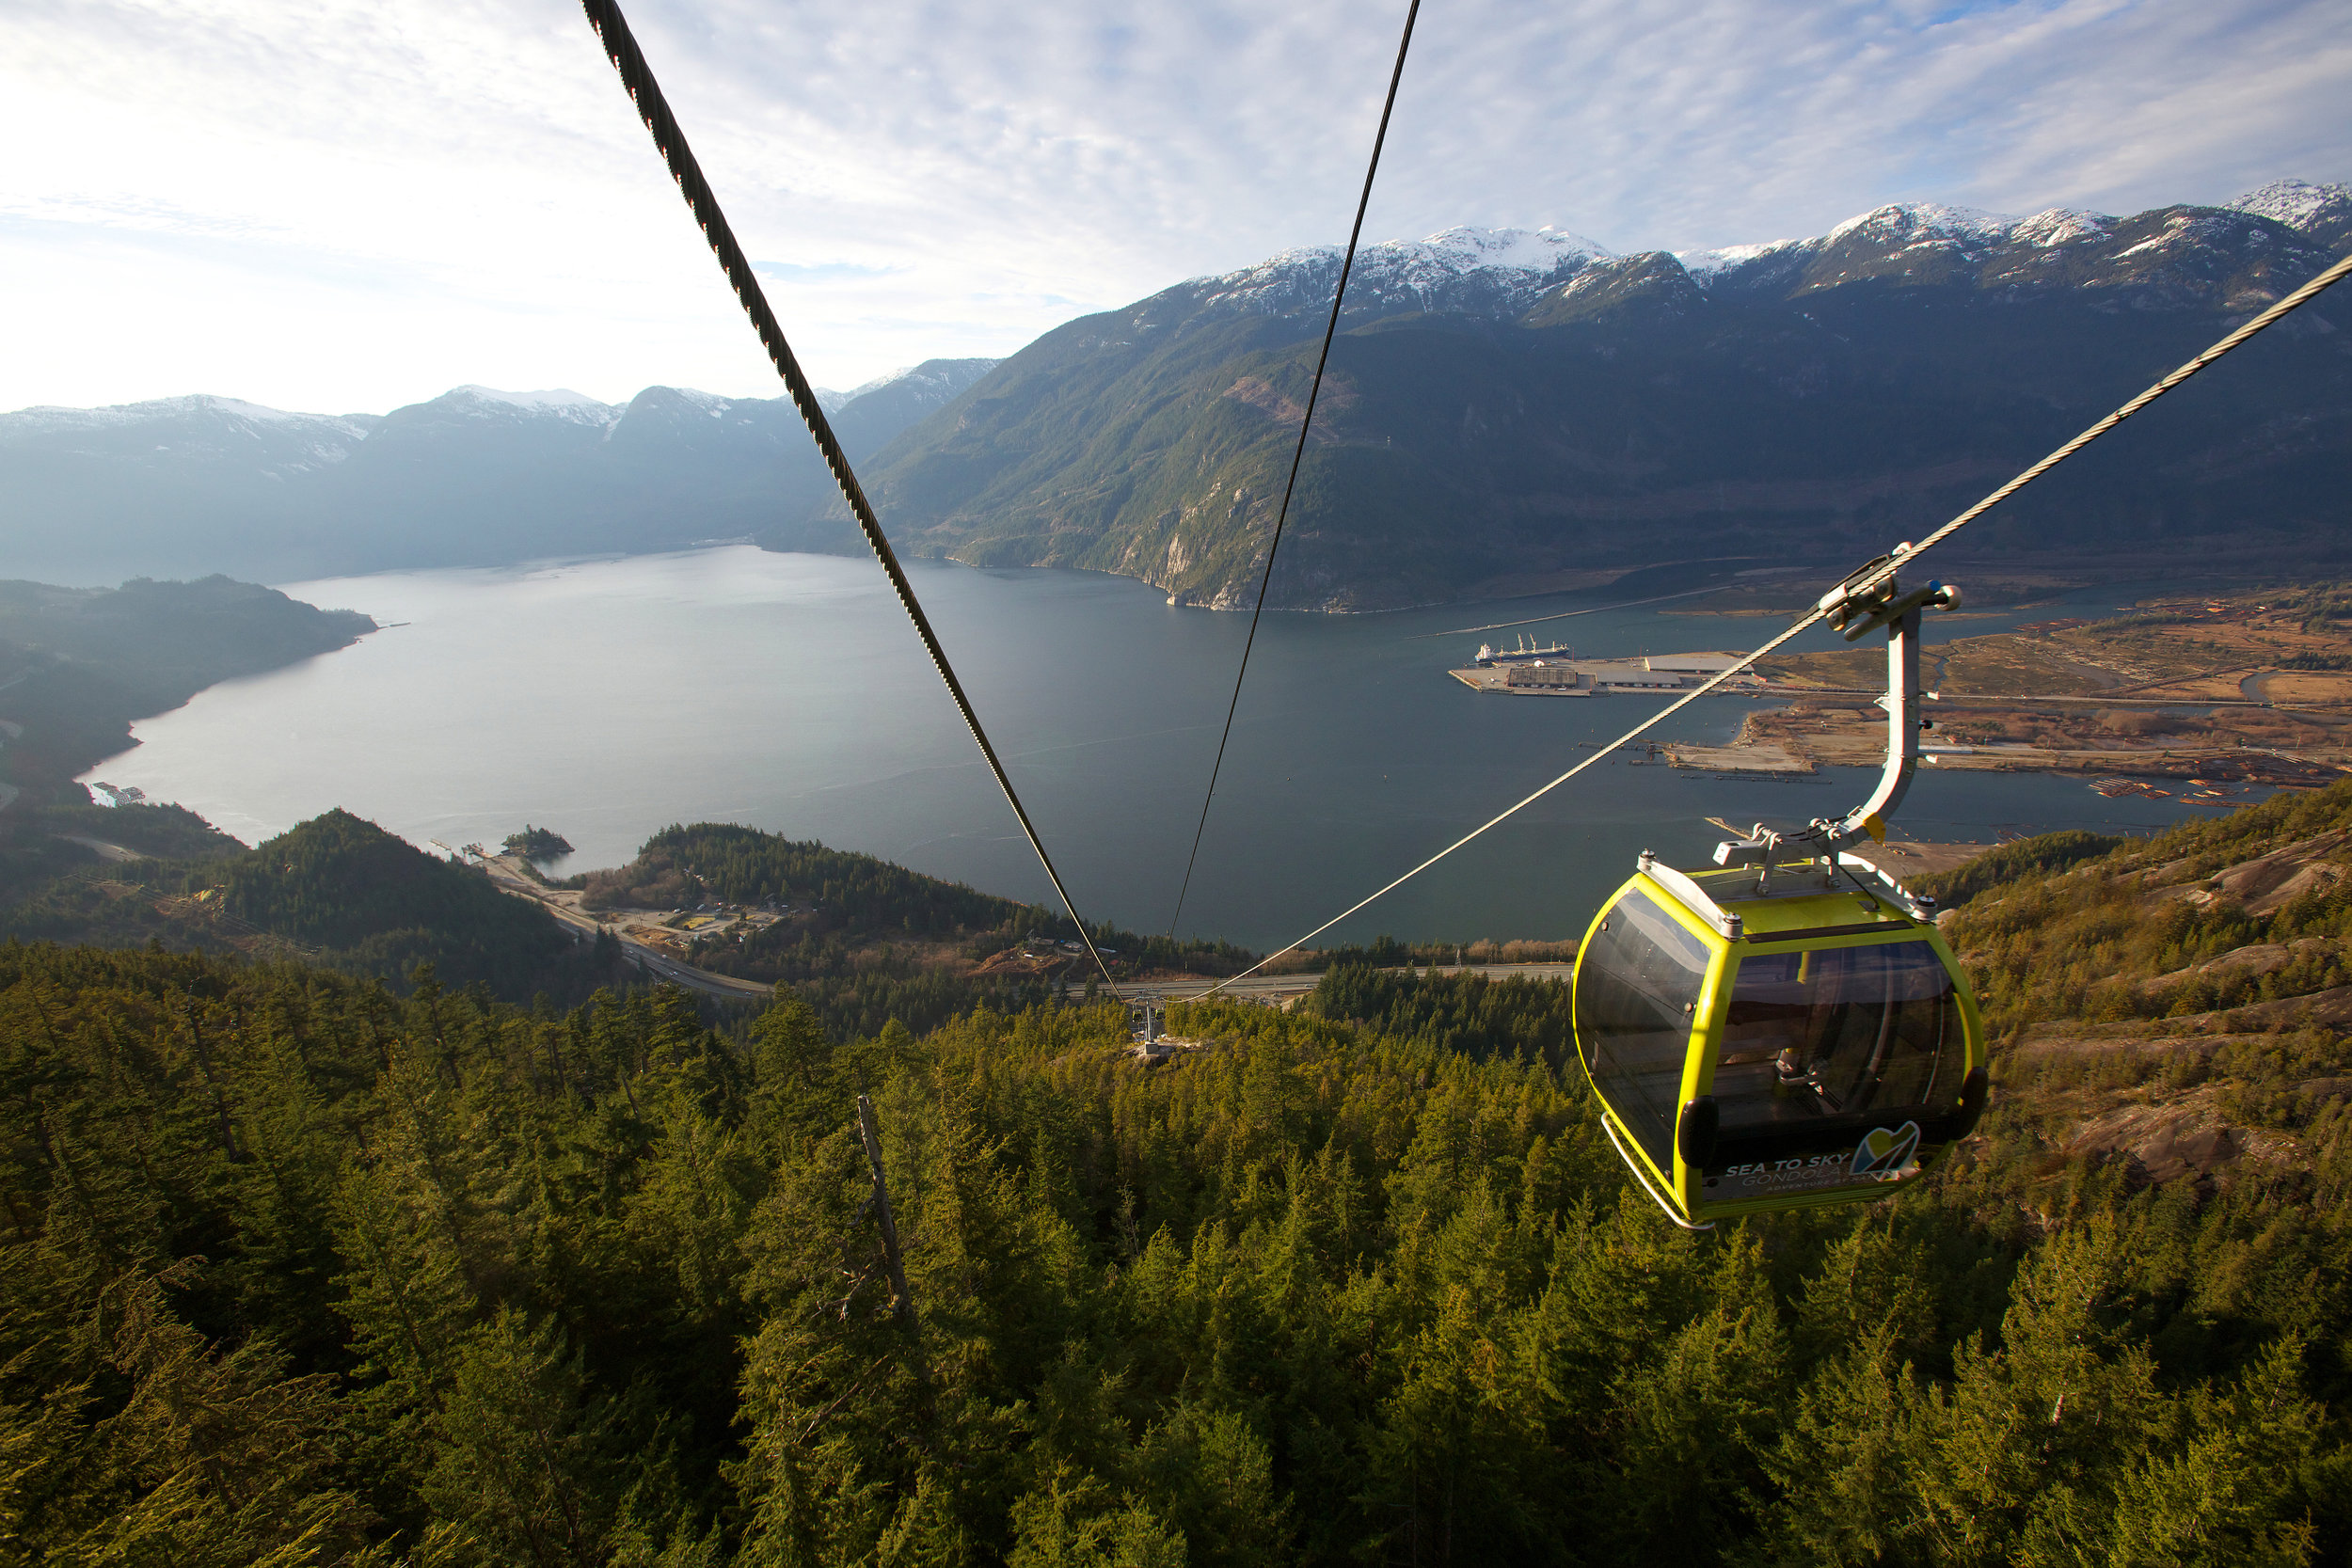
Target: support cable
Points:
(621, 46)
(1856, 586)
(1314, 390)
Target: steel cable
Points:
(621, 46)
(1858, 584)
(1314, 390)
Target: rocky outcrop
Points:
(2244, 963)
(2165, 1142)
(2270, 882)
(2324, 1010)
(2162, 1133)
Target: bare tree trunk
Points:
(902, 1304)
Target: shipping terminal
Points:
(1553, 672)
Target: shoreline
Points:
(1797, 742)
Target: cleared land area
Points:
(651, 943)
(2248, 689)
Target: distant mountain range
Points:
(1504, 406)
(192, 485)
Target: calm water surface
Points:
(607, 699)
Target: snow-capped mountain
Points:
(1975, 234)
(2298, 203)
(1477, 269)
(199, 405)
(1900, 229)
(2174, 256)
(573, 408)
(874, 385)
(869, 416)
(1502, 273)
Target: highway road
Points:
(1276, 990)
(1272, 990)
(508, 873)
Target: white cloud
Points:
(344, 206)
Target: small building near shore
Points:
(1545, 675)
(1701, 665)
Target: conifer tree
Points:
(523, 1461)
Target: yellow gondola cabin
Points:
(1779, 1035)
(1812, 1044)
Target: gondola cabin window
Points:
(1637, 992)
(1833, 1033)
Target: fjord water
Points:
(607, 698)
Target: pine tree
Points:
(1075, 1521)
(523, 1462)
(212, 1457)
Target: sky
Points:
(339, 206)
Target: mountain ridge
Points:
(1799, 395)
(1503, 423)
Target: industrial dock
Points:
(1543, 673)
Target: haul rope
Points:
(605, 16)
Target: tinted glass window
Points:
(1636, 988)
(1835, 1032)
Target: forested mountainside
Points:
(475, 477)
(162, 641)
(302, 1270)
(861, 940)
(336, 891)
(77, 666)
(1496, 415)
(846, 912)
(684, 866)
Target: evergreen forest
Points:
(302, 1270)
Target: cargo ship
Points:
(1524, 652)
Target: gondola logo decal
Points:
(1883, 1152)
